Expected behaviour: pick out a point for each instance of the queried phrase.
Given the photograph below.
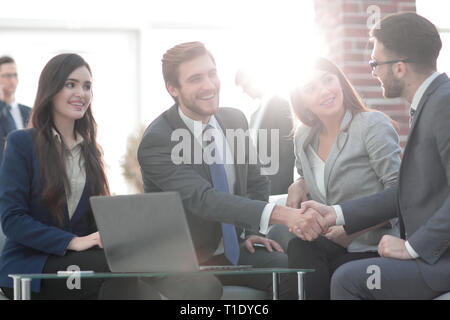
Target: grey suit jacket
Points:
(421, 197)
(205, 207)
(277, 115)
(365, 159)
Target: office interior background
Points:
(123, 41)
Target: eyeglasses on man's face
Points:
(373, 63)
(9, 75)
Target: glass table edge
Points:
(106, 275)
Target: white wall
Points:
(124, 41)
(112, 56)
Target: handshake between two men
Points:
(309, 222)
(314, 219)
(310, 219)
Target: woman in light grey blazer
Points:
(343, 151)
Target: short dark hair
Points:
(6, 59)
(177, 55)
(411, 36)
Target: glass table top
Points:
(108, 275)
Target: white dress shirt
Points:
(196, 127)
(423, 87)
(318, 169)
(15, 112)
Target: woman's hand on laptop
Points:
(257, 241)
(85, 243)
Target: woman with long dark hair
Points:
(48, 173)
(343, 151)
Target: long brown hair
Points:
(351, 99)
(51, 155)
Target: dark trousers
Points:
(325, 257)
(89, 289)
(260, 259)
(398, 280)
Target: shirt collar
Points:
(421, 91)
(195, 126)
(57, 137)
(14, 105)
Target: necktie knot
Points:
(209, 131)
(212, 145)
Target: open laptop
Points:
(147, 233)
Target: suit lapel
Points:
(82, 206)
(337, 148)
(423, 101)
(4, 125)
(25, 113)
(175, 121)
(5, 119)
(430, 90)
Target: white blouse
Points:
(76, 173)
(318, 168)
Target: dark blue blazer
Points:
(25, 112)
(32, 234)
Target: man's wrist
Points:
(411, 250)
(280, 215)
(264, 224)
(339, 215)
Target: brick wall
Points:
(344, 25)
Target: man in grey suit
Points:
(221, 198)
(417, 265)
(273, 113)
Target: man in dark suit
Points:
(221, 197)
(12, 114)
(417, 265)
(273, 113)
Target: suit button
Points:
(436, 253)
